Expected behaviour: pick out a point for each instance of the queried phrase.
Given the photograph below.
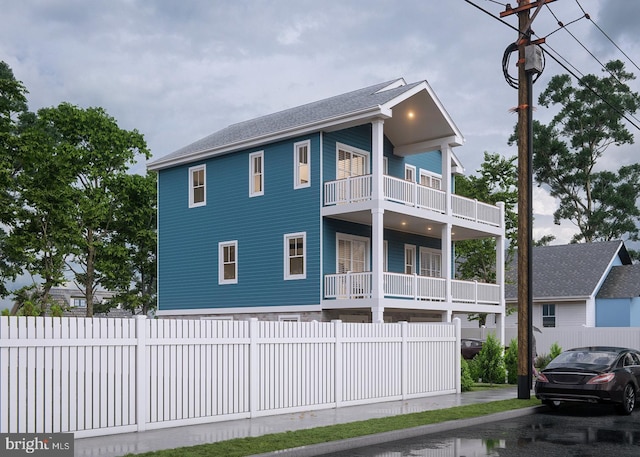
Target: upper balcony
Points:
(359, 189)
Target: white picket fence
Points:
(104, 376)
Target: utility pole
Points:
(526, 68)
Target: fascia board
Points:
(426, 146)
(330, 123)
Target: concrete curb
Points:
(395, 435)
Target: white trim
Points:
(216, 318)
(221, 246)
(289, 318)
(432, 251)
(353, 150)
(253, 173)
(349, 237)
(192, 170)
(431, 175)
(240, 310)
(297, 184)
(409, 169)
(287, 272)
(385, 255)
(412, 249)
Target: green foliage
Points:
(474, 369)
(466, 381)
(491, 361)
(6, 312)
(55, 311)
(601, 204)
(511, 362)
(555, 350)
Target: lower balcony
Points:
(414, 287)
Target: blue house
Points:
(342, 208)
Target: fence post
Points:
(254, 367)
(404, 357)
(141, 373)
(456, 323)
(337, 347)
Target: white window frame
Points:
(297, 165)
(221, 262)
(352, 150)
(431, 251)
(385, 256)
(192, 170)
(253, 174)
(549, 306)
(431, 178)
(412, 249)
(409, 173)
(78, 302)
(385, 165)
(287, 257)
(361, 239)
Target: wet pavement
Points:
(171, 438)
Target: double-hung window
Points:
(295, 258)
(197, 186)
(256, 174)
(302, 164)
(228, 262)
(548, 315)
(430, 180)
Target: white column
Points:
(500, 266)
(377, 221)
(447, 260)
(447, 181)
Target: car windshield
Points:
(584, 357)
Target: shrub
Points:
(466, 381)
(511, 362)
(491, 361)
(555, 350)
(474, 369)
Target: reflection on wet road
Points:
(574, 430)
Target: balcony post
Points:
(447, 263)
(445, 150)
(377, 221)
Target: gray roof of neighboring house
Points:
(622, 282)
(570, 270)
(293, 119)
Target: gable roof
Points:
(622, 282)
(341, 111)
(567, 271)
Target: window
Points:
(295, 248)
(410, 173)
(430, 180)
(302, 163)
(352, 254)
(79, 302)
(409, 259)
(289, 318)
(197, 186)
(228, 262)
(256, 174)
(351, 162)
(430, 263)
(548, 315)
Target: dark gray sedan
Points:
(597, 374)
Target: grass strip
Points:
(240, 447)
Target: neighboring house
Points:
(583, 284)
(74, 304)
(338, 209)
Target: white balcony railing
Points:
(359, 188)
(397, 285)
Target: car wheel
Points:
(628, 400)
(552, 404)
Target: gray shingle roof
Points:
(309, 114)
(571, 270)
(622, 282)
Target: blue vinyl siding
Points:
(189, 237)
(613, 312)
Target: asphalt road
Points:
(574, 430)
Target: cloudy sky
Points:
(178, 70)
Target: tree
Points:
(129, 263)
(13, 104)
(497, 182)
(601, 204)
(97, 153)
